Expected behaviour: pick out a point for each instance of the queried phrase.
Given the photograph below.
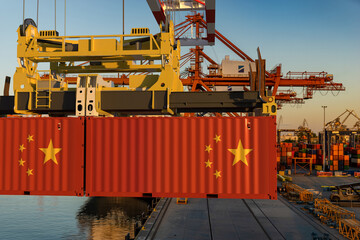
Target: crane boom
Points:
(162, 10)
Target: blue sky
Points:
(317, 35)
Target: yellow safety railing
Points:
(34, 51)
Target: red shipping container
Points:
(42, 156)
(194, 157)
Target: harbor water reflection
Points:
(111, 218)
(38, 217)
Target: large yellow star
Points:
(22, 148)
(21, 162)
(208, 148)
(30, 172)
(217, 138)
(208, 163)
(30, 138)
(240, 153)
(50, 152)
(217, 174)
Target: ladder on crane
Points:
(43, 93)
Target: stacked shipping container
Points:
(315, 153)
(338, 161)
(286, 152)
(284, 155)
(355, 157)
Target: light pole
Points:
(324, 136)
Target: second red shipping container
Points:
(181, 157)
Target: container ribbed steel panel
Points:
(181, 157)
(41, 156)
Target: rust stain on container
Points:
(42, 156)
(181, 157)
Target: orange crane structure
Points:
(310, 81)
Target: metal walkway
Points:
(232, 219)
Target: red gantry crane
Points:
(220, 75)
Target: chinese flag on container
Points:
(182, 157)
(240, 159)
(41, 156)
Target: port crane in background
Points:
(194, 77)
(220, 77)
(304, 126)
(338, 125)
(336, 131)
(303, 132)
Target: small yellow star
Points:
(21, 162)
(30, 172)
(22, 148)
(30, 138)
(217, 174)
(208, 148)
(208, 163)
(217, 138)
(50, 153)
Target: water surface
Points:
(44, 217)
